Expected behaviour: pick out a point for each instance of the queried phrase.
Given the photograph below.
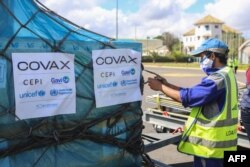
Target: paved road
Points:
(184, 77)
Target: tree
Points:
(169, 40)
(233, 40)
(154, 55)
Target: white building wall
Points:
(217, 32)
(203, 32)
(245, 58)
(244, 53)
(188, 42)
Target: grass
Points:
(191, 65)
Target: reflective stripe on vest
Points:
(220, 123)
(207, 143)
(209, 138)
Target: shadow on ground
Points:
(185, 164)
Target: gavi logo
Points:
(128, 72)
(61, 80)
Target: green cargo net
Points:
(107, 136)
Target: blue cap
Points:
(212, 45)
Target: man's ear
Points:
(213, 56)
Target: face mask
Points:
(206, 65)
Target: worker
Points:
(230, 62)
(235, 65)
(245, 105)
(211, 127)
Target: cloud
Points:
(96, 19)
(65, 6)
(233, 13)
(157, 9)
(156, 17)
(151, 19)
(185, 4)
(87, 14)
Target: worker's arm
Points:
(205, 92)
(168, 89)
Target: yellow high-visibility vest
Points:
(210, 137)
(236, 62)
(229, 62)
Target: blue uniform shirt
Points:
(245, 100)
(209, 90)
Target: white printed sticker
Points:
(44, 84)
(116, 76)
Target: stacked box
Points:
(104, 137)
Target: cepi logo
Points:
(29, 94)
(32, 82)
(61, 80)
(107, 74)
(128, 72)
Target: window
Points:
(216, 26)
(207, 27)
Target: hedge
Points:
(181, 59)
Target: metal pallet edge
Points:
(174, 123)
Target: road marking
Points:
(182, 75)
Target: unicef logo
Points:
(115, 84)
(41, 93)
(107, 85)
(32, 94)
(53, 92)
(132, 71)
(66, 79)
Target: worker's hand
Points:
(155, 84)
(163, 80)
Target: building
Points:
(244, 53)
(153, 45)
(211, 27)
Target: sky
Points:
(139, 19)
